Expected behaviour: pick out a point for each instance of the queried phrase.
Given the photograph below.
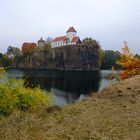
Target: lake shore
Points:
(112, 114)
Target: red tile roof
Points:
(60, 38)
(75, 39)
(71, 29)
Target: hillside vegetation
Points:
(112, 114)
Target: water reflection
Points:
(67, 86)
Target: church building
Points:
(70, 38)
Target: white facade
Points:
(58, 43)
(70, 35)
(70, 39)
(62, 43)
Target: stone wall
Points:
(74, 57)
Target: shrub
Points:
(129, 63)
(14, 96)
(5, 61)
(2, 72)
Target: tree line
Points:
(107, 58)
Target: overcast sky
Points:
(111, 22)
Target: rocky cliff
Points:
(68, 58)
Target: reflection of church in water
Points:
(64, 97)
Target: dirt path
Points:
(113, 114)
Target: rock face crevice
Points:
(66, 58)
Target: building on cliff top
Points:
(71, 38)
(41, 42)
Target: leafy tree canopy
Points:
(109, 59)
(5, 61)
(13, 50)
(89, 41)
(27, 48)
(1, 55)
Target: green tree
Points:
(5, 61)
(1, 55)
(100, 54)
(13, 51)
(137, 56)
(109, 59)
(47, 46)
(89, 41)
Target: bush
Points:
(5, 61)
(2, 70)
(14, 96)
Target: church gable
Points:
(71, 38)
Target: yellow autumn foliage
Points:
(2, 71)
(129, 63)
(14, 96)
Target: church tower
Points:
(71, 32)
(41, 42)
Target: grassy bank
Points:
(113, 114)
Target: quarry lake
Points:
(66, 86)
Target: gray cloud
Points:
(109, 21)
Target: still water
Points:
(67, 86)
